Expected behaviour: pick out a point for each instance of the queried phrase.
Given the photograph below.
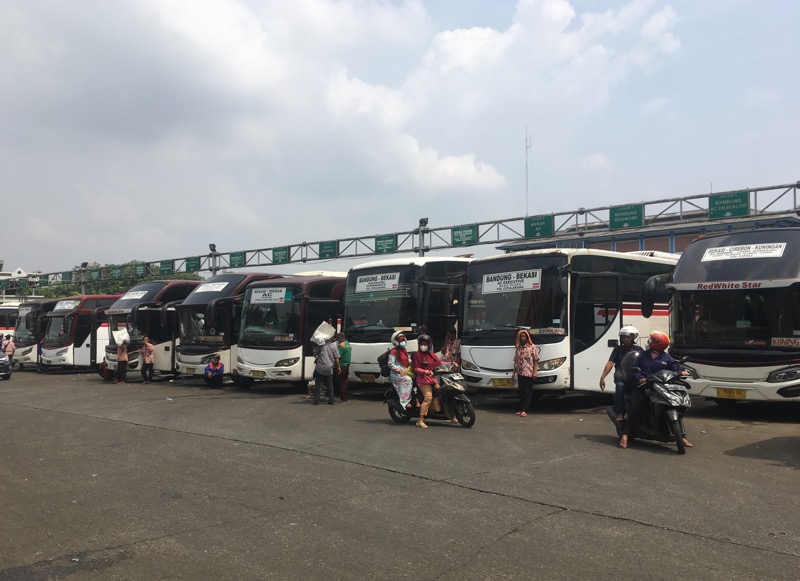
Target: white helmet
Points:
(629, 331)
(395, 335)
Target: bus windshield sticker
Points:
(211, 287)
(133, 295)
(270, 295)
(517, 281)
(786, 342)
(66, 305)
(24, 311)
(368, 283)
(744, 251)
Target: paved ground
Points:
(174, 481)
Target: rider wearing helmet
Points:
(649, 362)
(627, 335)
(423, 363)
(399, 362)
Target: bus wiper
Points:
(484, 332)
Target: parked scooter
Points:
(451, 393)
(669, 399)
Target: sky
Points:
(147, 129)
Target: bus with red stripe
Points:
(573, 302)
(8, 317)
(30, 330)
(76, 332)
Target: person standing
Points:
(148, 358)
(526, 360)
(451, 350)
(342, 378)
(9, 347)
(398, 369)
(122, 361)
(214, 372)
(424, 362)
(326, 359)
(627, 336)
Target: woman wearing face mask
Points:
(526, 359)
(424, 362)
(398, 369)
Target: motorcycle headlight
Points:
(287, 362)
(469, 365)
(551, 364)
(788, 374)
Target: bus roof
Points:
(153, 291)
(642, 255)
(410, 261)
(223, 285)
(298, 280)
(85, 302)
(760, 255)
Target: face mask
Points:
(402, 343)
(423, 348)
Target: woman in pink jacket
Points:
(423, 363)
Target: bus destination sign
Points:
(741, 251)
(517, 281)
(385, 281)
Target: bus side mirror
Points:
(649, 292)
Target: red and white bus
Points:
(76, 332)
(30, 330)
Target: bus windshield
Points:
(504, 295)
(24, 333)
(193, 329)
(59, 331)
(271, 318)
(119, 321)
(380, 300)
(740, 319)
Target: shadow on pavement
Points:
(783, 451)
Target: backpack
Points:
(383, 361)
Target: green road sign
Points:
(116, 272)
(539, 227)
(629, 216)
(22, 282)
(3, 284)
(385, 244)
(728, 205)
(280, 255)
(237, 260)
(66, 277)
(192, 263)
(165, 267)
(328, 249)
(139, 269)
(463, 235)
(94, 274)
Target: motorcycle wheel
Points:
(675, 426)
(465, 413)
(398, 416)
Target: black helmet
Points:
(426, 338)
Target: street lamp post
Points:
(423, 228)
(214, 259)
(83, 277)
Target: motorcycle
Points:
(451, 393)
(662, 421)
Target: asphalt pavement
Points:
(172, 480)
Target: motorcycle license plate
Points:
(502, 382)
(731, 393)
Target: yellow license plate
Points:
(731, 393)
(259, 373)
(502, 383)
(190, 370)
(367, 378)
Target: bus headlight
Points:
(692, 373)
(788, 374)
(287, 362)
(469, 365)
(551, 364)
(62, 353)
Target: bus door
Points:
(94, 346)
(440, 309)
(316, 311)
(596, 315)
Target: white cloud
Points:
(597, 162)
(654, 106)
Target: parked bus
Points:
(209, 320)
(279, 317)
(8, 317)
(735, 313)
(30, 330)
(76, 332)
(399, 294)
(141, 312)
(572, 301)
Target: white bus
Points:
(735, 302)
(573, 302)
(399, 294)
(30, 330)
(8, 317)
(279, 316)
(140, 311)
(77, 332)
